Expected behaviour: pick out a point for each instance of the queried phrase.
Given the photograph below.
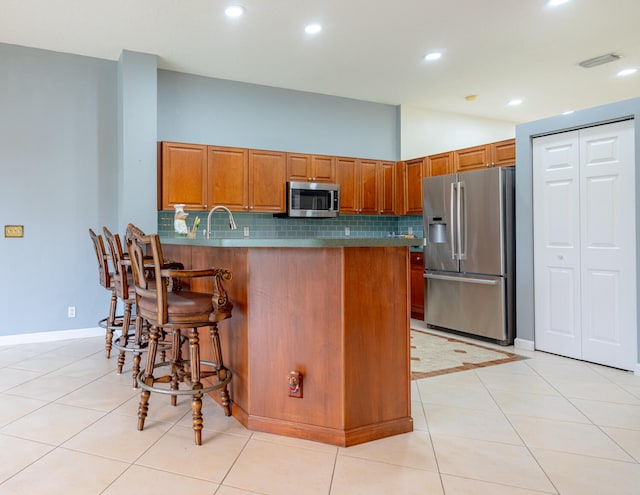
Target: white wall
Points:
(427, 132)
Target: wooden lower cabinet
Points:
(344, 325)
(417, 285)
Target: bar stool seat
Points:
(174, 311)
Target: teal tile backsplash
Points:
(265, 225)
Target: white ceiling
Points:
(368, 50)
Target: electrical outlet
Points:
(246, 231)
(14, 230)
(410, 231)
(347, 231)
(295, 384)
(71, 312)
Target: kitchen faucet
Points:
(232, 222)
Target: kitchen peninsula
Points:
(334, 310)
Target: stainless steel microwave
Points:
(313, 199)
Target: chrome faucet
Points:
(232, 222)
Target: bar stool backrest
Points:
(103, 260)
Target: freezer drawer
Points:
(471, 304)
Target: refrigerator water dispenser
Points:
(437, 231)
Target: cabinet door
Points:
(387, 188)
(311, 168)
(369, 188)
(439, 164)
(346, 177)
(184, 175)
(414, 171)
(228, 177)
(475, 158)
(417, 285)
(267, 177)
(323, 168)
(503, 153)
(298, 167)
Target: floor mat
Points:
(433, 355)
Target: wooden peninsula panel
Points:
(337, 315)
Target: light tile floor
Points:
(541, 425)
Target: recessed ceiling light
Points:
(515, 102)
(433, 56)
(234, 11)
(555, 3)
(627, 72)
(312, 28)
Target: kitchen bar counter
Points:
(337, 313)
(293, 242)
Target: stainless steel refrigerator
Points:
(469, 253)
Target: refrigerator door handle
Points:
(461, 279)
(452, 240)
(461, 225)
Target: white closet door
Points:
(585, 244)
(608, 246)
(556, 225)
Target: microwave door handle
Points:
(452, 240)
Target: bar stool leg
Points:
(176, 363)
(137, 356)
(143, 406)
(196, 401)
(111, 320)
(124, 337)
(221, 371)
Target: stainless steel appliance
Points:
(313, 199)
(469, 253)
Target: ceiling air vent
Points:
(602, 59)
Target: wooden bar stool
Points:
(131, 339)
(111, 322)
(174, 310)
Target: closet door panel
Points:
(608, 248)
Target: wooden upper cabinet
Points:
(267, 178)
(346, 176)
(503, 153)
(439, 164)
(363, 185)
(247, 180)
(387, 188)
(474, 158)
(228, 177)
(369, 189)
(311, 168)
(183, 176)
(413, 188)
(498, 154)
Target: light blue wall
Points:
(57, 160)
(137, 141)
(77, 150)
(202, 110)
(524, 196)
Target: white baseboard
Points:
(525, 345)
(31, 338)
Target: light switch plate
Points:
(14, 230)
